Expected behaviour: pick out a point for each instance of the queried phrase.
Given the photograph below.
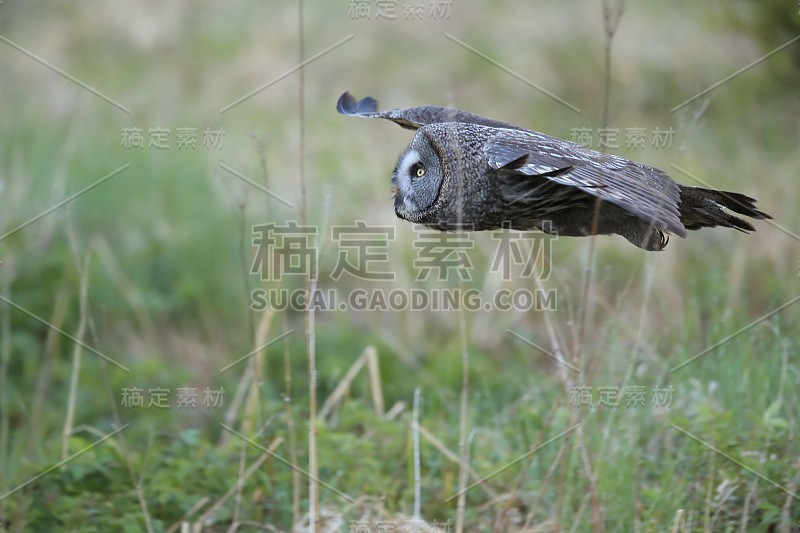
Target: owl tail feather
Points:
(706, 208)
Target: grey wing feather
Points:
(645, 192)
(367, 107)
(347, 105)
(414, 117)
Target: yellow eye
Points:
(420, 171)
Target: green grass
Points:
(169, 242)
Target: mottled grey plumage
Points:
(465, 171)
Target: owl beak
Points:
(395, 191)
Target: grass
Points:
(162, 250)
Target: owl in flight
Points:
(465, 171)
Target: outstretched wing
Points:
(414, 117)
(643, 191)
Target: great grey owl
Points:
(465, 171)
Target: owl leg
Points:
(611, 219)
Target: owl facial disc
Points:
(405, 172)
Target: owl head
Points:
(429, 182)
(418, 178)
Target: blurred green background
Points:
(163, 251)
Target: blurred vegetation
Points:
(772, 23)
(169, 247)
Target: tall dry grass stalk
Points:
(49, 359)
(290, 425)
(83, 317)
(368, 357)
(242, 222)
(679, 523)
(568, 382)
(612, 14)
(254, 406)
(232, 413)
(463, 463)
(313, 469)
(86, 326)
